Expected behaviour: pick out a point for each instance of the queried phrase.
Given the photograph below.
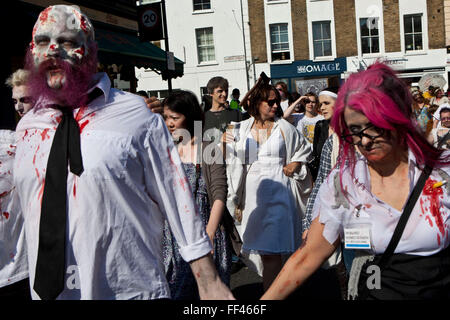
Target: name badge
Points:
(357, 237)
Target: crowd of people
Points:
(113, 195)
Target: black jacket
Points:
(320, 136)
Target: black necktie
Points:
(50, 266)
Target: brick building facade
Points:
(322, 42)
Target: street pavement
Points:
(245, 284)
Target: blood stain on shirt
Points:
(429, 220)
(84, 124)
(74, 188)
(44, 134)
(182, 181)
(41, 191)
(80, 113)
(34, 162)
(434, 205)
(35, 154)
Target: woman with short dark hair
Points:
(208, 183)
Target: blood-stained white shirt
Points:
(132, 181)
(13, 254)
(428, 227)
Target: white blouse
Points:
(427, 230)
(132, 180)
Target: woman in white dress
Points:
(270, 155)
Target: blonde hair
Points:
(18, 78)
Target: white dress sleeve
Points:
(169, 187)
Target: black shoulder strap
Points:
(384, 261)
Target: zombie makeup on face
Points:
(21, 99)
(61, 32)
(67, 47)
(63, 55)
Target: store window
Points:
(279, 42)
(205, 45)
(413, 32)
(370, 39)
(202, 5)
(322, 38)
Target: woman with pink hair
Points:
(388, 198)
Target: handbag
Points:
(383, 261)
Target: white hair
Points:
(18, 78)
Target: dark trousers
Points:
(17, 291)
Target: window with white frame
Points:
(202, 5)
(205, 45)
(279, 41)
(370, 38)
(322, 38)
(412, 24)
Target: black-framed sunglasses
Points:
(370, 132)
(271, 102)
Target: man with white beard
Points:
(95, 232)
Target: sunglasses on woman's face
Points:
(271, 102)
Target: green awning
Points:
(123, 48)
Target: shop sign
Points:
(320, 68)
(396, 63)
(309, 68)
